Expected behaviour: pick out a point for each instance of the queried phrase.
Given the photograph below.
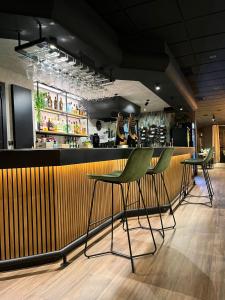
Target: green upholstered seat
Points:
(199, 161)
(136, 167)
(162, 163)
(193, 161)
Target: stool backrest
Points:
(164, 160)
(137, 164)
(209, 156)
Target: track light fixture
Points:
(147, 102)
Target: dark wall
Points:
(22, 117)
(205, 137)
(3, 125)
(109, 108)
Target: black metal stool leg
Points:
(128, 189)
(89, 219)
(186, 181)
(128, 234)
(160, 213)
(207, 184)
(146, 211)
(112, 228)
(210, 183)
(182, 186)
(168, 199)
(139, 202)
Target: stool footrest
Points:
(209, 204)
(119, 254)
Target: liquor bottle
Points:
(60, 104)
(74, 128)
(78, 127)
(55, 124)
(45, 124)
(81, 128)
(69, 107)
(55, 103)
(81, 111)
(69, 127)
(73, 109)
(64, 126)
(50, 125)
(41, 126)
(77, 110)
(49, 101)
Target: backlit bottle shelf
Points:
(64, 113)
(59, 133)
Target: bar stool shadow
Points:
(184, 190)
(158, 169)
(136, 167)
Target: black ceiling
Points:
(193, 29)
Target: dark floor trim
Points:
(51, 257)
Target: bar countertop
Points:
(23, 158)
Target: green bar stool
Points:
(194, 162)
(159, 169)
(136, 167)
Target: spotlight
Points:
(157, 87)
(213, 118)
(181, 108)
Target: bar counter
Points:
(45, 199)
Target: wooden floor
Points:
(189, 265)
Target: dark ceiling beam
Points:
(200, 52)
(176, 76)
(85, 23)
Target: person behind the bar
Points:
(120, 134)
(132, 136)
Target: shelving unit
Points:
(63, 117)
(59, 133)
(60, 112)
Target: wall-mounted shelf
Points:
(63, 117)
(64, 113)
(59, 133)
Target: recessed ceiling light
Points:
(181, 108)
(212, 56)
(157, 87)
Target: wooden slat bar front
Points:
(43, 209)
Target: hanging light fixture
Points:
(213, 118)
